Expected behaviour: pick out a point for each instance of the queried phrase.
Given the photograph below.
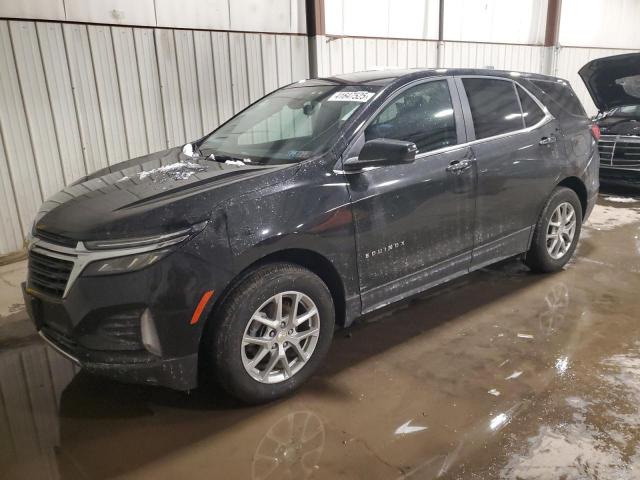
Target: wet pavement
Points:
(501, 374)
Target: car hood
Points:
(613, 81)
(148, 195)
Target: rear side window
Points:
(422, 114)
(494, 106)
(531, 112)
(563, 95)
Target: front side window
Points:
(531, 112)
(289, 125)
(494, 106)
(422, 114)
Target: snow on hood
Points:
(177, 171)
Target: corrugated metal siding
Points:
(571, 59)
(344, 55)
(349, 54)
(523, 58)
(75, 98)
(282, 16)
(18, 150)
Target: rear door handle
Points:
(548, 140)
(459, 166)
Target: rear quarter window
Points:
(562, 95)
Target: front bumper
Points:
(98, 322)
(175, 373)
(131, 366)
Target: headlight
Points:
(157, 241)
(130, 263)
(107, 257)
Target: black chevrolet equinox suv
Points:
(232, 258)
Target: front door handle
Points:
(548, 140)
(459, 166)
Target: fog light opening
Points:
(149, 333)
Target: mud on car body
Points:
(234, 257)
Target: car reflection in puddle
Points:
(291, 448)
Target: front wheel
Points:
(272, 332)
(557, 232)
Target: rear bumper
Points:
(591, 202)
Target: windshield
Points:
(287, 126)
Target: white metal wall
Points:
(600, 23)
(347, 54)
(75, 98)
(278, 16)
(382, 18)
(505, 21)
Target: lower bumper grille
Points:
(114, 331)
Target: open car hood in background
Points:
(613, 81)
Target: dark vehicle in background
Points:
(234, 257)
(614, 85)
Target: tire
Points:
(545, 256)
(256, 296)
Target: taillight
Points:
(595, 131)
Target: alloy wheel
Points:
(280, 337)
(561, 230)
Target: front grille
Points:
(606, 147)
(619, 151)
(47, 274)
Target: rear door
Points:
(515, 144)
(414, 222)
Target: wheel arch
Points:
(578, 186)
(309, 259)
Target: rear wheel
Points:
(557, 232)
(272, 332)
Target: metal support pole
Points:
(551, 37)
(440, 47)
(315, 27)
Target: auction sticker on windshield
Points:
(361, 96)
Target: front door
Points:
(414, 222)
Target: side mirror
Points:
(381, 152)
